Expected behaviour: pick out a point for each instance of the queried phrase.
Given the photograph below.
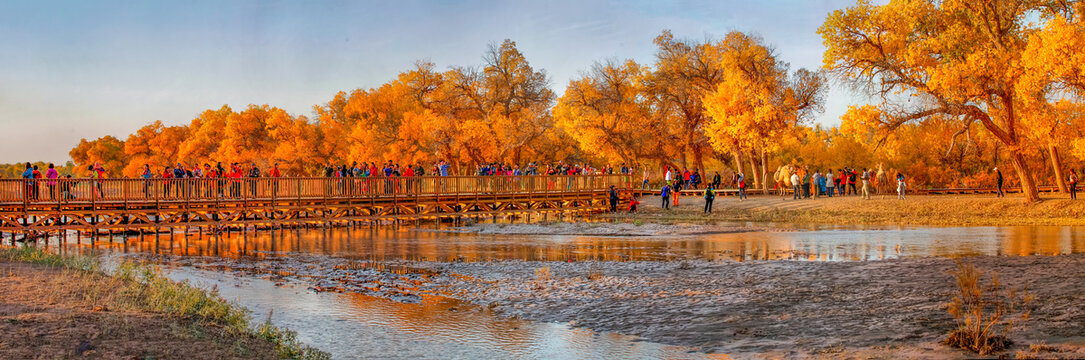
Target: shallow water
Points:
(835, 244)
(356, 326)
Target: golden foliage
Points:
(106, 151)
(757, 103)
(607, 114)
(956, 58)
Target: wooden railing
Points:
(19, 191)
(149, 190)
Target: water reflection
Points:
(426, 245)
(358, 326)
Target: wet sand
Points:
(893, 308)
(863, 309)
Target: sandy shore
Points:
(604, 228)
(792, 309)
(947, 210)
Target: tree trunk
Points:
(698, 158)
(1056, 162)
(738, 162)
(764, 173)
(1028, 187)
(757, 179)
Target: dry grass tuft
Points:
(985, 316)
(1045, 351)
(542, 275)
(594, 274)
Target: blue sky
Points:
(85, 69)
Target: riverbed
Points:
(793, 291)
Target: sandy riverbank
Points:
(605, 228)
(876, 309)
(945, 210)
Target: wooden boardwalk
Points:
(154, 204)
(139, 205)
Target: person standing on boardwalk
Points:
(666, 175)
(1072, 179)
(665, 194)
(96, 175)
(28, 176)
(207, 185)
(998, 184)
(709, 195)
(716, 180)
(613, 199)
(443, 167)
(275, 175)
(147, 176)
(644, 180)
(167, 174)
(52, 175)
(179, 173)
(36, 183)
(902, 187)
(254, 173)
(235, 184)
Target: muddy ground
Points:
(869, 309)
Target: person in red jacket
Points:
(37, 189)
(235, 183)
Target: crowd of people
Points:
(803, 182)
(33, 188)
(842, 182)
(236, 178)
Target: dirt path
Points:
(52, 313)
